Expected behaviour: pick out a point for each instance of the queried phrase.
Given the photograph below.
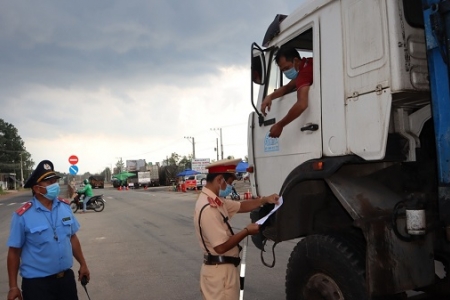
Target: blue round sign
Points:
(73, 170)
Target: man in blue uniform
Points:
(42, 242)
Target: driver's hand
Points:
(267, 103)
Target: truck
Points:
(364, 171)
(168, 174)
(144, 179)
(97, 182)
(132, 181)
(154, 175)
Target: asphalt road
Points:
(143, 246)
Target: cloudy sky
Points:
(131, 79)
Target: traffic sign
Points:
(73, 170)
(73, 159)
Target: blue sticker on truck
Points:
(271, 144)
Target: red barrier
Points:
(183, 188)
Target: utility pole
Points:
(192, 140)
(217, 148)
(221, 142)
(21, 170)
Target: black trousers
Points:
(50, 288)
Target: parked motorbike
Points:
(234, 194)
(96, 203)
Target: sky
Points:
(134, 79)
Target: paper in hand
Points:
(277, 206)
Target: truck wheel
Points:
(327, 267)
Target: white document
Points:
(277, 206)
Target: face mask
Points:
(291, 73)
(52, 191)
(226, 191)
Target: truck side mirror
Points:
(258, 66)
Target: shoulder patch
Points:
(64, 200)
(211, 202)
(24, 208)
(218, 201)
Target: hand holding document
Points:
(277, 206)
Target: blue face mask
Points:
(52, 191)
(291, 73)
(226, 191)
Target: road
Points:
(143, 246)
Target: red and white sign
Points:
(73, 159)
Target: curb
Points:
(11, 194)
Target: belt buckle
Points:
(60, 275)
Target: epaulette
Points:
(214, 202)
(64, 200)
(24, 208)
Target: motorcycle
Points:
(96, 203)
(234, 194)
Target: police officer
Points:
(219, 277)
(42, 242)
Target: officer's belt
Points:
(58, 275)
(209, 259)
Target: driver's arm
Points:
(285, 89)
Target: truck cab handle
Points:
(310, 127)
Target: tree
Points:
(173, 159)
(106, 174)
(230, 157)
(13, 154)
(120, 166)
(186, 162)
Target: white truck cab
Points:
(360, 160)
(370, 79)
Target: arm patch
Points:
(64, 200)
(24, 208)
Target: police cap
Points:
(223, 166)
(43, 171)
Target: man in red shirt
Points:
(300, 72)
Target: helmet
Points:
(86, 181)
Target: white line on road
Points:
(11, 203)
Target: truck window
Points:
(413, 13)
(303, 43)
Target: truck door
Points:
(301, 140)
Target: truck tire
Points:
(328, 267)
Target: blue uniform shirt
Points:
(34, 232)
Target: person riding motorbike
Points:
(87, 191)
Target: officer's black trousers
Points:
(50, 288)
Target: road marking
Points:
(11, 203)
(1, 203)
(100, 238)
